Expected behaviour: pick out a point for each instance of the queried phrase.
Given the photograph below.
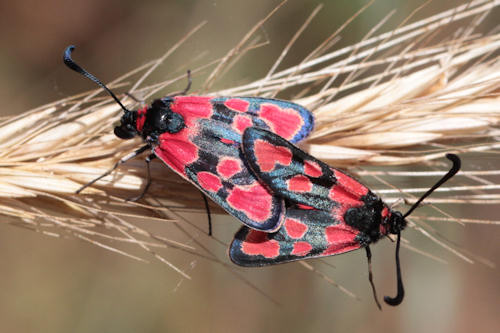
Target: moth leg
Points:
(370, 276)
(117, 164)
(207, 208)
(148, 181)
(140, 101)
(187, 87)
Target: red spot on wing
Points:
(341, 238)
(227, 141)
(267, 155)
(228, 167)
(301, 249)
(301, 206)
(340, 233)
(253, 200)
(294, 228)
(299, 183)
(350, 184)
(176, 150)
(347, 191)
(192, 108)
(237, 104)
(209, 181)
(284, 122)
(340, 195)
(258, 243)
(240, 122)
(312, 169)
(141, 118)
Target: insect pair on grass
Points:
(239, 152)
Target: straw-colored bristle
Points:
(408, 107)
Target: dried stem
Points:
(428, 96)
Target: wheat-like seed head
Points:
(397, 98)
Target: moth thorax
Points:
(161, 120)
(175, 122)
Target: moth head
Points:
(396, 222)
(126, 129)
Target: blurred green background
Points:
(65, 285)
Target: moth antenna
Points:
(454, 169)
(74, 66)
(401, 291)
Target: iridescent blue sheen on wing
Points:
(207, 151)
(327, 212)
(289, 120)
(304, 234)
(279, 167)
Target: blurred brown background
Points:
(64, 285)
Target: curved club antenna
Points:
(401, 291)
(74, 66)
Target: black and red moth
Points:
(328, 211)
(199, 138)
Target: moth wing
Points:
(207, 151)
(289, 120)
(297, 176)
(304, 234)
